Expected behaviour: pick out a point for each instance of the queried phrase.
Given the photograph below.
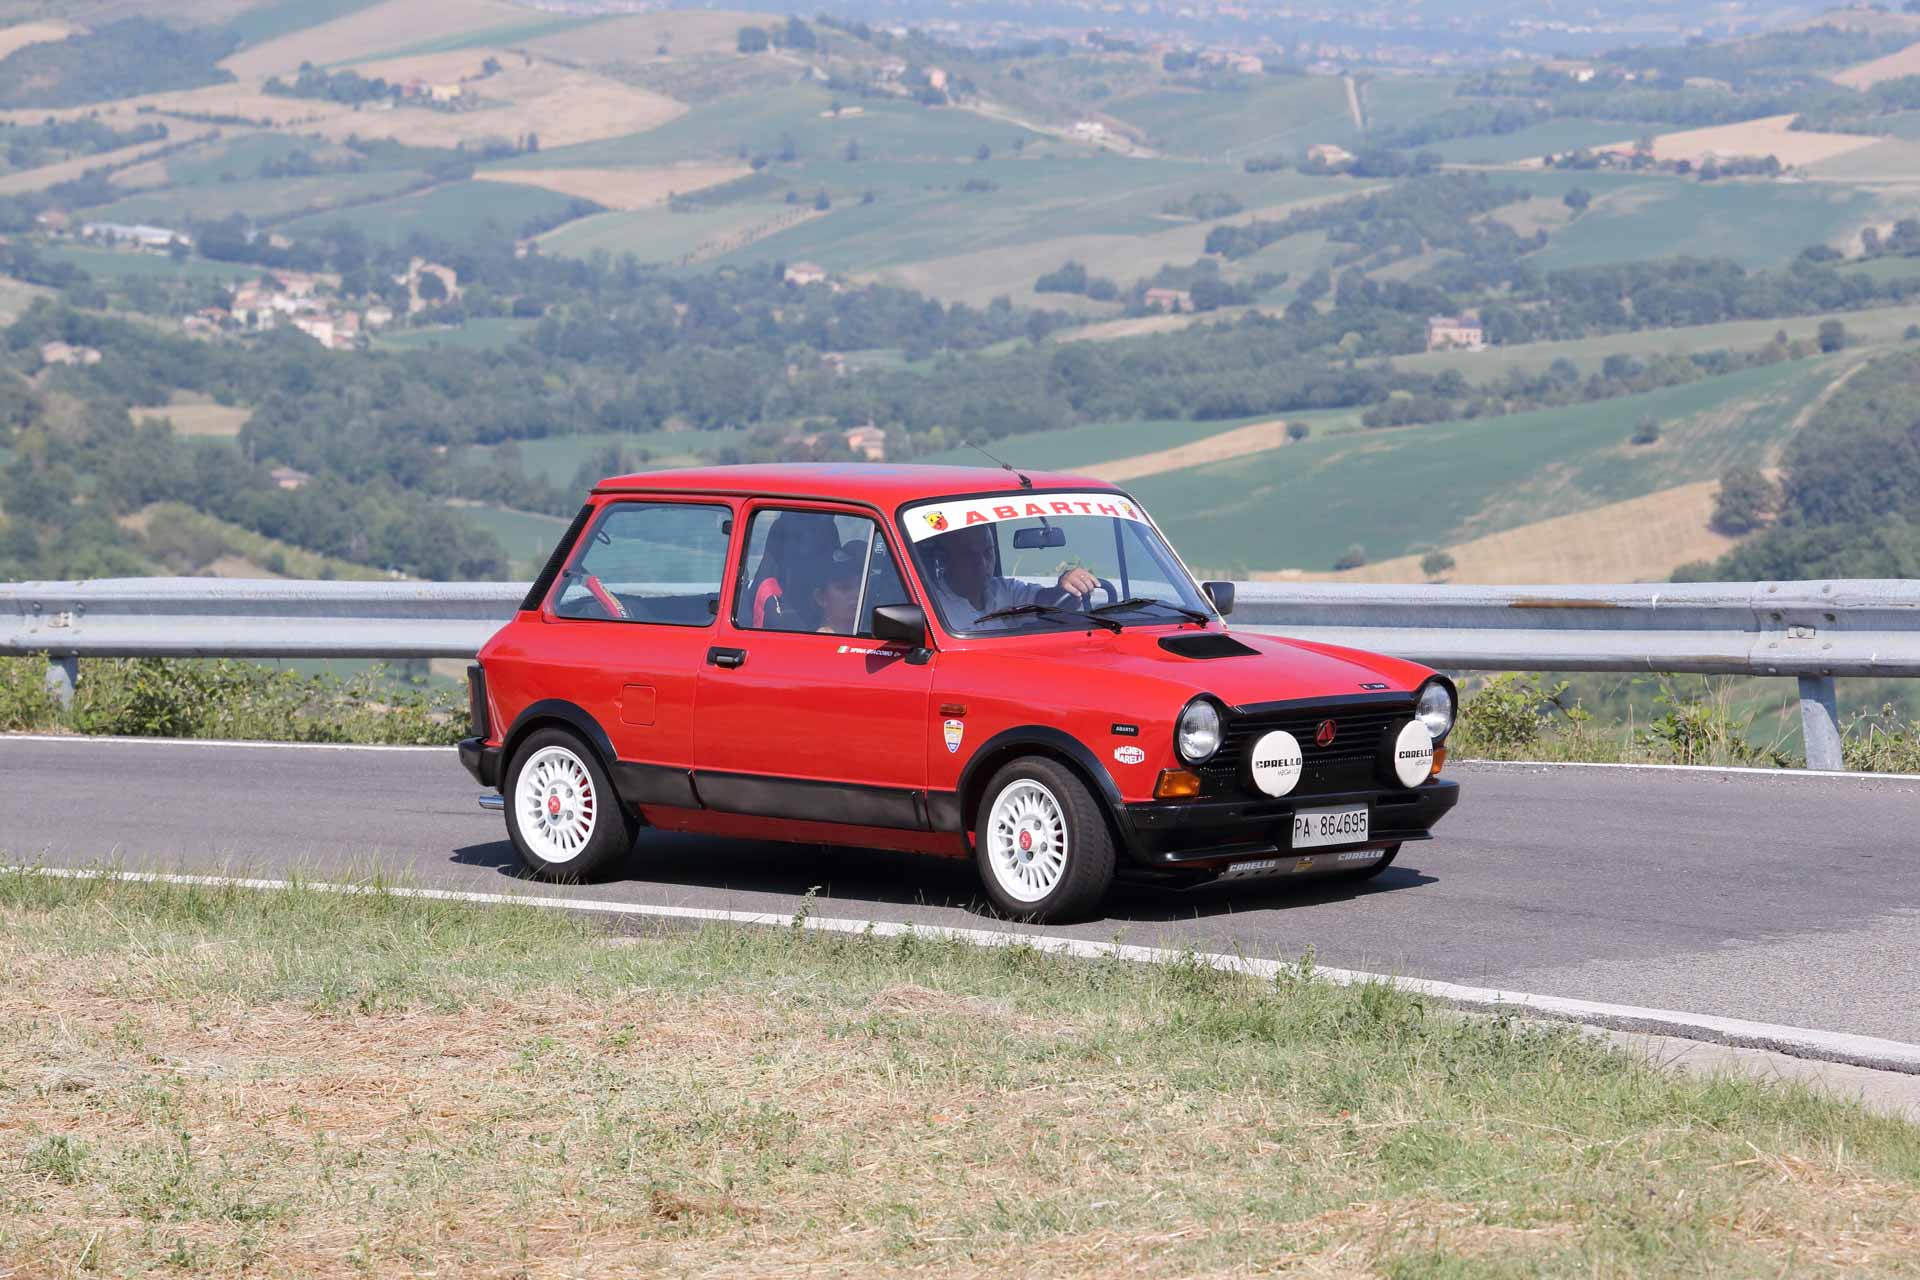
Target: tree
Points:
(752, 40)
(432, 288)
(1435, 563)
(1577, 199)
(1648, 432)
(1747, 500)
(853, 151)
(1298, 431)
(984, 153)
(1355, 556)
(821, 201)
(1833, 335)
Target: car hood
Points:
(1240, 668)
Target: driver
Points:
(964, 580)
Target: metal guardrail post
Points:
(63, 675)
(1819, 724)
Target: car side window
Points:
(658, 562)
(814, 571)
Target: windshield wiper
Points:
(1022, 610)
(1139, 602)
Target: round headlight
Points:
(1198, 735)
(1435, 709)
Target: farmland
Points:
(458, 212)
(1389, 491)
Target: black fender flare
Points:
(952, 812)
(572, 715)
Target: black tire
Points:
(1086, 841)
(609, 826)
(1368, 873)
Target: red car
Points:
(1013, 668)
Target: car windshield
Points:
(986, 561)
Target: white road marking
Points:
(1799, 1042)
(69, 738)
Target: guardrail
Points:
(1811, 631)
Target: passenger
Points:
(798, 542)
(838, 596)
(967, 587)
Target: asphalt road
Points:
(1775, 897)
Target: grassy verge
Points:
(152, 697)
(291, 1083)
(1690, 721)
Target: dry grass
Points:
(296, 1085)
(397, 24)
(20, 35)
(1640, 540)
(199, 416)
(1768, 136)
(1256, 437)
(621, 188)
(1905, 62)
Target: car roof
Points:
(883, 484)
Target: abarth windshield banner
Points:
(934, 518)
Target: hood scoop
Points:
(1211, 644)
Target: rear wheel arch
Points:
(558, 713)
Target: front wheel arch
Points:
(1048, 743)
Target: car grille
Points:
(1347, 765)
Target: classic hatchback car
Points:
(1013, 668)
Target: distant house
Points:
(869, 441)
(1248, 65)
(140, 233)
(55, 220)
(805, 273)
(445, 92)
(289, 478)
(836, 361)
(1169, 300)
(1087, 130)
(936, 78)
(378, 316)
(318, 327)
(1455, 333)
(65, 353)
(1330, 154)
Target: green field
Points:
(559, 457)
(1394, 102)
(1270, 114)
(506, 34)
(1881, 324)
(1390, 491)
(527, 536)
(265, 200)
(283, 17)
(1636, 219)
(458, 211)
(129, 262)
(1082, 446)
(1538, 140)
(659, 234)
(481, 333)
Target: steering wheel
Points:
(1084, 603)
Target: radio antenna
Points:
(1004, 466)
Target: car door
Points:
(803, 714)
(632, 616)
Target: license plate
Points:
(1313, 828)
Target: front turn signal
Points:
(1176, 784)
(1439, 758)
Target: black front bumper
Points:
(1198, 834)
(480, 760)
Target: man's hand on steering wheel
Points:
(1079, 582)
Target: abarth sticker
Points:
(953, 731)
(1129, 755)
(937, 521)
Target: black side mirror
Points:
(900, 623)
(1221, 593)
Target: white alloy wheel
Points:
(1027, 840)
(555, 803)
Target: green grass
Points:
(484, 333)
(1879, 324)
(236, 159)
(1082, 446)
(1389, 491)
(205, 1077)
(558, 458)
(527, 537)
(458, 211)
(267, 200)
(127, 262)
(656, 235)
(1538, 140)
(1270, 114)
(283, 17)
(1885, 268)
(1633, 220)
(509, 33)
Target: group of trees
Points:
(1848, 502)
(117, 60)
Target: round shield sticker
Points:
(1276, 762)
(1413, 754)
